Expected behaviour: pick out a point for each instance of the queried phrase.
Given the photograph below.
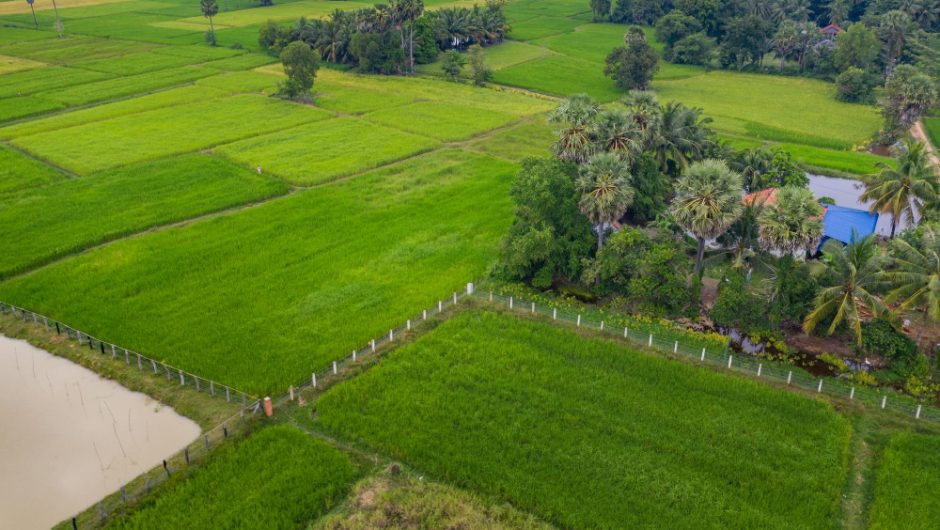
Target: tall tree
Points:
(300, 64)
(908, 95)
(894, 28)
(575, 115)
(855, 276)
(915, 275)
(615, 131)
(209, 9)
(786, 40)
(857, 46)
(481, 72)
(683, 137)
(793, 224)
(633, 66)
(907, 190)
(604, 185)
(708, 201)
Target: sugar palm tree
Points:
(575, 114)
(209, 9)
(895, 28)
(604, 184)
(684, 136)
(647, 113)
(915, 277)
(904, 191)
(708, 201)
(793, 224)
(856, 272)
(615, 131)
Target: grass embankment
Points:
(43, 224)
(907, 484)
(206, 410)
(587, 434)
(279, 478)
(260, 298)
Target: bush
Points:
(880, 337)
(694, 49)
(856, 86)
(737, 306)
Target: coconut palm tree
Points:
(856, 273)
(604, 184)
(683, 137)
(915, 275)
(647, 113)
(793, 224)
(708, 201)
(904, 191)
(575, 114)
(615, 131)
(209, 9)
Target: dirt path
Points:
(918, 132)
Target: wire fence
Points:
(237, 425)
(376, 345)
(726, 359)
(131, 358)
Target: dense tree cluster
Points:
(859, 44)
(391, 38)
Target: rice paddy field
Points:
(586, 434)
(279, 478)
(153, 194)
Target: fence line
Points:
(118, 353)
(370, 348)
(727, 360)
(193, 452)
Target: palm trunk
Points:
(411, 47)
(699, 256)
(212, 30)
(600, 236)
(894, 225)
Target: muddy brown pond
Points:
(69, 437)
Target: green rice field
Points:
(279, 478)
(261, 298)
(18, 171)
(587, 434)
(55, 221)
(907, 484)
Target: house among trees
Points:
(830, 31)
(845, 225)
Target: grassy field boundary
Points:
(788, 376)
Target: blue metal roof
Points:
(847, 224)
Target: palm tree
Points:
(915, 277)
(574, 142)
(209, 9)
(708, 201)
(910, 188)
(793, 223)
(895, 29)
(856, 270)
(604, 184)
(923, 12)
(683, 137)
(647, 113)
(616, 132)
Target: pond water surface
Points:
(69, 437)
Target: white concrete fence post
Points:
(626, 332)
(917, 414)
(354, 355)
(884, 401)
(533, 308)
(554, 314)
(602, 325)
(470, 288)
(790, 377)
(372, 345)
(703, 355)
(455, 297)
(649, 343)
(313, 379)
(579, 320)
(675, 347)
(408, 325)
(291, 390)
(510, 302)
(852, 393)
(819, 387)
(334, 367)
(730, 358)
(391, 335)
(760, 368)
(424, 314)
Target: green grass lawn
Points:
(587, 434)
(322, 151)
(279, 478)
(18, 172)
(907, 484)
(40, 225)
(260, 299)
(167, 131)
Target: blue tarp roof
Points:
(847, 224)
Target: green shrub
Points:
(737, 306)
(880, 337)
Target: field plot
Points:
(157, 100)
(907, 484)
(40, 225)
(10, 7)
(261, 298)
(164, 132)
(561, 75)
(18, 172)
(259, 15)
(279, 478)
(588, 434)
(9, 64)
(441, 120)
(39, 79)
(531, 138)
(322, 151)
